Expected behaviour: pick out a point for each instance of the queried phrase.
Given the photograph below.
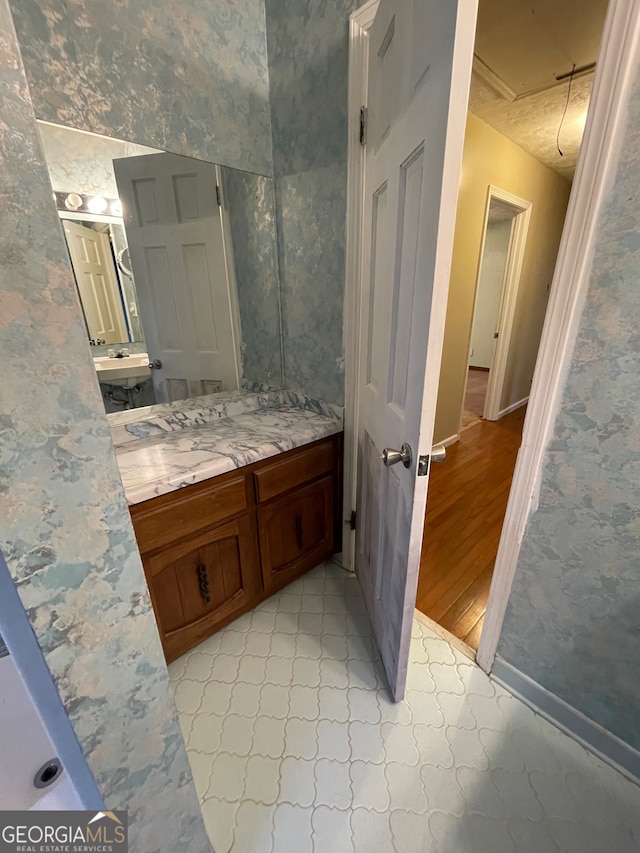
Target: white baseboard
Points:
(449, 441)
(513, 407)
(624, 758)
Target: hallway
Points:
(295, 746)
(474, 397)
(466, 504)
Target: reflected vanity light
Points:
(82, 203)
(73, 201)
(97, 204)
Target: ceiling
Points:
(521, 50)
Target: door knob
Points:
(156, 364)
(392, 457)
(438, 454)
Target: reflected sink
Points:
(124, 372)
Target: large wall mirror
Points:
(175, 260)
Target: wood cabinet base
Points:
(212, 551)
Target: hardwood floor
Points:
(465, 509)
(474, 397)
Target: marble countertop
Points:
(168, 461)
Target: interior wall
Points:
(83, 162)
(252, 213)
(490, 285)
(490, 158)
(572, 618)
(28, 660)
(64, 524)
(308, 73)
(191, 77)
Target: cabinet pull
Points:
(203, 581)
(299, 540)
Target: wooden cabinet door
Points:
(202, 583)
(296, 533)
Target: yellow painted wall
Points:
(491, 158)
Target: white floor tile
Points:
(245, 699)
(254, 828)
(297, 781)
(300, 738)
(366, 742)
(206, 732)
(263, 779)
(268, 737)
(332, 830)
(333, 740)
(296, 746)
(292, 829)
(369, 786)
(220, 820)
(371, 831)
(333, 786)
(237, 735)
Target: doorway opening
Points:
(499, 274)
(512, 205)
(503, 101)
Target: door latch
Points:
(438, 454)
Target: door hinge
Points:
(496, 335)
(363, 125)
(218, 196)
(352, 520)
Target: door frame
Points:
(359, 23)
(508, 300)
(614, 79)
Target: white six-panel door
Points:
(95, 274)
(420, 56)
(174, 232)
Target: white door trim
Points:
(230, 269)
(617, 64)
(359, 23)
(615, 76)
(509, 297)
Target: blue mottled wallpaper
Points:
(189, 76)
(308, 68)
(251, 205)
(64, 525)
(573, 621)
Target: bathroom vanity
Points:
(231, 499)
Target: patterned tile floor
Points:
(295, 746)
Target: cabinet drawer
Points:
(170, 517)
(296, 533)
(298, 468)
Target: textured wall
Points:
(252, 216)
(572, 623)
(187, 76)
(490, 158)
(308, 68)
(64, 525)
(83, 162)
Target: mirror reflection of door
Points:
(183, 277)
(92, 261)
